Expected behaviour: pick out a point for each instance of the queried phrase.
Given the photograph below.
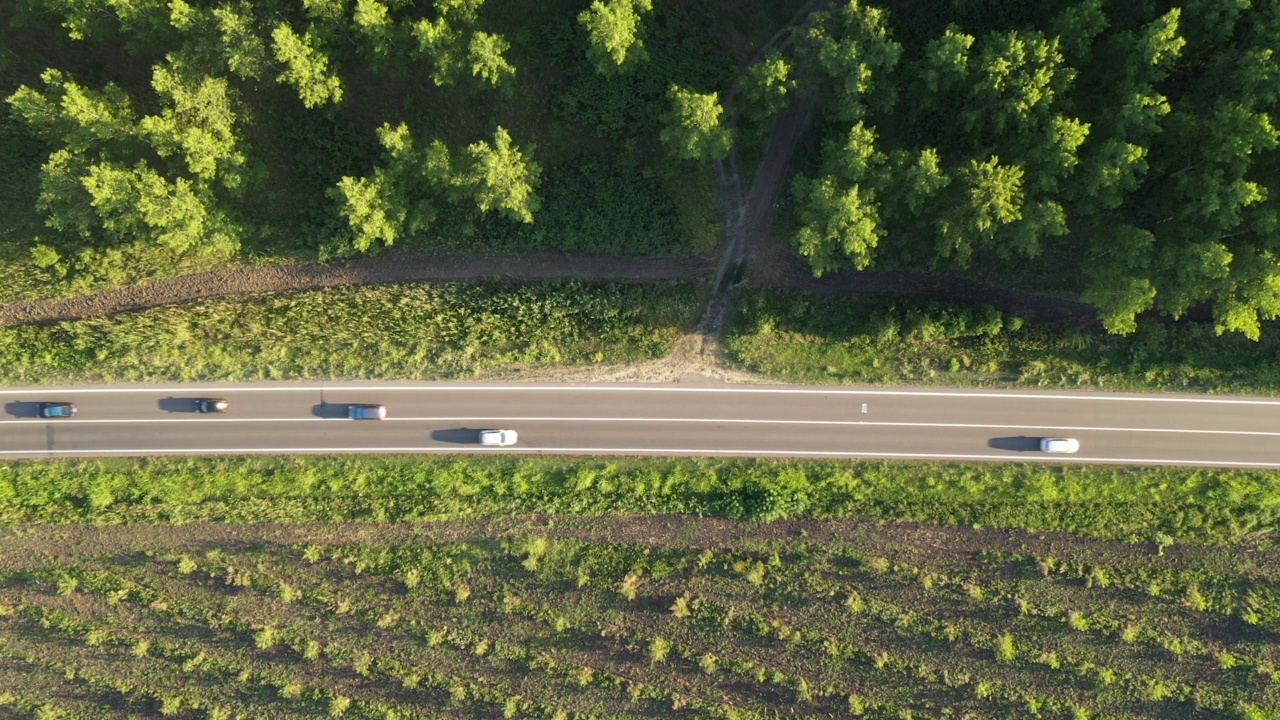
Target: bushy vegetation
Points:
(708, 622)
(1207, 506)
(642, 218)
(809, 338)
(1133, 142)
(390, 331)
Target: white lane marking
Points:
(734, 421)
(644, 451)
(191, 391)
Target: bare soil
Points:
(31, 546)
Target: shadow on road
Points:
(330, 411)
(177, 405)
(456, 436)
(1021, 443)
(22, 409)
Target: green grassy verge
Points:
(892, 340)
(390, 331)
(1129, 504)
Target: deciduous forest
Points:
(141, 135)
(1122, 152)
(1132, 145)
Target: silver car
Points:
(1059, 445)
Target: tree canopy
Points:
(615, 31)
(1134, 145)
(694, 128)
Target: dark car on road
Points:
(211, 405)
(56, 410)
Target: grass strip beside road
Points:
(885, 340)
(410, 331)
(1121, 503)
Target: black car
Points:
(211, 405)
(56, 410)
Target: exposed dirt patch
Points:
(32, 545)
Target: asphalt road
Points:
(649, 420)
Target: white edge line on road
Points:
(194, 391)
(641, 451)
(737, 421)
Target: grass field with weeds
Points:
(634, 617)
(388, 331)
(804, 338)
(1149, 505)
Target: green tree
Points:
(852, 47)
(1078, 26)
(1120, 285)
(839, 225)
(1112, 172)
(945, 66)
(69, 113)
(88, 190)
(440, 42)
(402, 195)
(766, 86)
(614, 31)
(89, 18)
(500, 177)
(989, 198)
(1018, 78)
(244, 51)
(306, 67)
(840, 211)
(923, 179)
(461, 12)
(1159, 45)
(197, 121)
(372, 20)
(1053, 152)
(374, 209)
(326, 12)
(138, 204)
(488, 63)
(63, 199)
(454, 47)
(692, 129)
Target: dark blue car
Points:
(56, 410)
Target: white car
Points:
(498, 438)
(1059, 445)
